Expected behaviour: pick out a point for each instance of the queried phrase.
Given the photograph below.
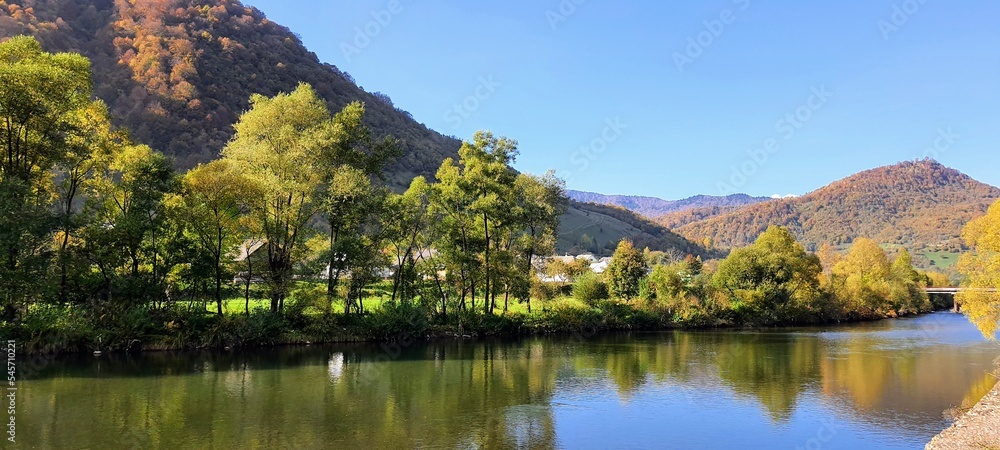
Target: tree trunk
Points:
(331, 282)
(218, 271)
(531, 268)
(246, 292)
(486, 265)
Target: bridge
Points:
(957, 290)
(954, 290)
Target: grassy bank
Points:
(47, 328)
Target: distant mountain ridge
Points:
(653, 207)
(918, 205)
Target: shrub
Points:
(590, 289)
(46, 328)
(646, 291)
(543, 291)
(394, 319)
(627, 268)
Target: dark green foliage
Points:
(773, 281)
(627, 269)
(395, 319)
(590, 288)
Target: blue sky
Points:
(673, 99)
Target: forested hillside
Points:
(678, 219)
(590, 227)
(178, 73)
(918, 205)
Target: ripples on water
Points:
(886, 384)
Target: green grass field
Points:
(377, 296)
(603, 229)
(942, 260)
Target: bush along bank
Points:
(773, 282)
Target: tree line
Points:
(90, 218)
(103, 242)
(773, 281)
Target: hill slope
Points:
(681, 218)
(178, 73)
(589, 227)
(919, 205)
(652, 207)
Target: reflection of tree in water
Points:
(444, 395)
(976, 392)
(459, 394)
(887, 386)
(773, 368)
(632, 360)
(466, 395)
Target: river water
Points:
(889, 384)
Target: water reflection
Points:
(887, 384)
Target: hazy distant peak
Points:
(653, 207)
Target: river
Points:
(875, 385)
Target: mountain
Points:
(653, 207)
(678, 219)
(178, 73)
(919, 205)
(590, 227)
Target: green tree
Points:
(212, 201)
(590, 288)
(861, 279)
(981, 267)
(472, 199)
(90, 147)
(672, 283)
(489, 222)
(123, 240)
(40, 96)
(277, 145)
(907, 285)
(627, 269)
(406, 219)
(538, 203)
(351, 162)
(772, 281)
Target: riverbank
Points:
(66, 330)
(977, 429)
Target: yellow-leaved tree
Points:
(981, 267)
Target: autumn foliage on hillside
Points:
(178, 73)
(680, 218)
(917, 205)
